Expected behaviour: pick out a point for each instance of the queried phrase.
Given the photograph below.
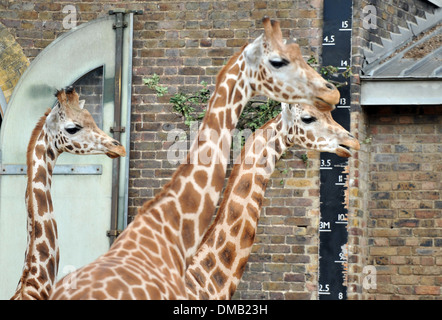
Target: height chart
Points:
(333, 237)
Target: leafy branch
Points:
(152, 83)
(186, 104)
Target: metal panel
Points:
(396, 92)
(82, 201)
(19, 169)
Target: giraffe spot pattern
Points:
(244, 186)
(219, 278)
(188, 233)
(43, 250)
(241, 267)
(236, 228)
(50, 233)
(248, 236)
(206, 215)
(189, 199)
(198, 276)
(218, 177)
(171, 214)
(201, 178)
(227, 254)
(40, 197)
(234, 212)
(221, 238)
(209, 262)
(40, 176)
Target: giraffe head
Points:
(313, 129)
(75, 131)
(279, 71)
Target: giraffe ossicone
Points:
(149, 258)
(220, 261)
(67, 127)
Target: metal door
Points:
(82, 185)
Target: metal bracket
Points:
(125, 11)
(63, 169)
(113, 233)
(119, 13)
(117, 129)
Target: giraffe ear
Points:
(253, 52)
(81, 103)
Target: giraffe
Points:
(220, 260)
(149, 258)
(67, 127)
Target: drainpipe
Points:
(117, 129)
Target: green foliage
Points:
(152, 83)
(186, 104)
(304, 158)
(330, 72)
(256, 113)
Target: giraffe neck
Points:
(220, 260)
(188, 201)
(42, 253)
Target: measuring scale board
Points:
(333, 236)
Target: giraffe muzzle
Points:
(329, 97)
(345, 149)
(116, 150)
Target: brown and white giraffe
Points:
(67, 127)
(149, 259)
(220, 260)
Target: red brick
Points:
(427, 290)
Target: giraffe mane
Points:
(230, 62)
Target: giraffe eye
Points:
(73, 130)
(279, 63)
(308, 119)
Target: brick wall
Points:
(405, 211)
(12, 64)
(186, 42)
(395, 248)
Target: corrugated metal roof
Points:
(392, 58)
(406, 64)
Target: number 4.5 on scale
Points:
(329, 40)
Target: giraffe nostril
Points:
(116, 143)
(330, 86)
